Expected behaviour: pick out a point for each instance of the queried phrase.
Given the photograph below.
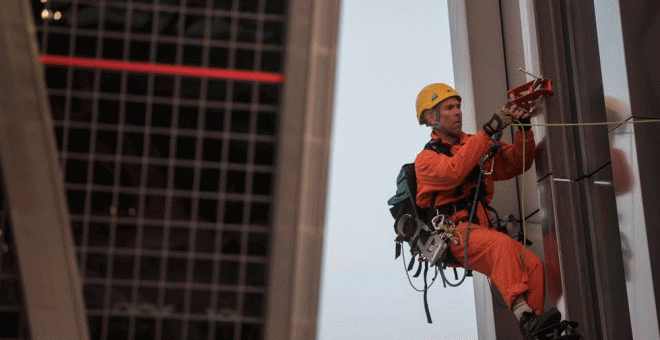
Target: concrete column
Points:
(302, 163)
(486, 40)
(33, 184)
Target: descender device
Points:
(522, 95)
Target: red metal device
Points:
(522, 95)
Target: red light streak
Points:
(142, 67)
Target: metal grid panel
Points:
(169, 179)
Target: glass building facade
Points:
(166, 119)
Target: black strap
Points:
(419, 271)
(426, 288)
(411, 264)
(434, 197)
(452, 208)
(463, 204)
(498, 223)
(438, 146)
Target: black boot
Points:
(530, 323)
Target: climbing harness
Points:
(429, 241)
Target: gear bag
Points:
(413, 224)
(404, 204)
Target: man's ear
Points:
(429, 117)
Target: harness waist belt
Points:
(454, 207)
(450, 209)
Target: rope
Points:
(589, 124)
(522, 205)
(522, 208)
(403, 255)
(426, 289)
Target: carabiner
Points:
(438, 225)
(492, 166)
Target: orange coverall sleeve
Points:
(437, 172)
(508, 162)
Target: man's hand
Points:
(499, 121)
(522, 116)
(519, 113)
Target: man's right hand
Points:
(499, 121)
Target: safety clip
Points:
(441, 221)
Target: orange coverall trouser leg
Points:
(498, 256)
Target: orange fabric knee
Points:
(498, 256)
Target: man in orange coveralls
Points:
(447, 170)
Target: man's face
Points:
(450, 117)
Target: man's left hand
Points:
(519, 113)
(522, 116)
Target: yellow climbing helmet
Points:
(431, 95)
